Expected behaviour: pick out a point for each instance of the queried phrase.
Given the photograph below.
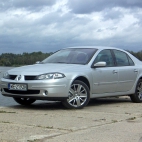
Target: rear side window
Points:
(130, 61)
(121, 58)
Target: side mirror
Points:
(100, 64)
(38, 62)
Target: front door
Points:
(105, 79)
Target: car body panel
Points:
(108, 81)
(126, 77)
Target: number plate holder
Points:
(17, 86)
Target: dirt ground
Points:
(103, 120)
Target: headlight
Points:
(6, 75)
(50, 76)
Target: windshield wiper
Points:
(61, 62)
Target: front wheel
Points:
(79, 95)
(137, 97)
(24, 101)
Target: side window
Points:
(130, 61)
(105, 56)
(121, 58)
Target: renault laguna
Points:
(74, 75)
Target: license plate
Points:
(14, 86)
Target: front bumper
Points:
(54, 89)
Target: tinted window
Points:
(121, 58)
(105, 56)
(130, 61)
(71, 56)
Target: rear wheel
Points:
(24, 101)
(79, 95)
(137, 97)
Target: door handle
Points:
(114, 71)
(135, 70)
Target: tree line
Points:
(10, 59)
(137, 54)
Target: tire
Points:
(24, 101)
(137, 97)
(79, 95)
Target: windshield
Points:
(71, 56)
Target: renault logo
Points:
(18, 77)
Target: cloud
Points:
(82, 7)
(112, 14)
(49, 25)
(34, 5)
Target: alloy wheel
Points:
(139, 90)
(77, 95)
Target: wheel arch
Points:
(134, 87)
(140, 78)
(83, 79)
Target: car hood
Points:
(46, 68)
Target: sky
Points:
(50, 25)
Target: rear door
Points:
(127, 72)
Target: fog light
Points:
(45, 93)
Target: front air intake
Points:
(30, 77)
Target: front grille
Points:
(30, 77)
(22, 92)
(12, 77)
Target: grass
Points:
(48, 127)
(132, 118)
(114, 121)
(35, 140)
(5, 122)
(1, 111)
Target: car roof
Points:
(96, 47)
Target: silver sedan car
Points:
(75, 75)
